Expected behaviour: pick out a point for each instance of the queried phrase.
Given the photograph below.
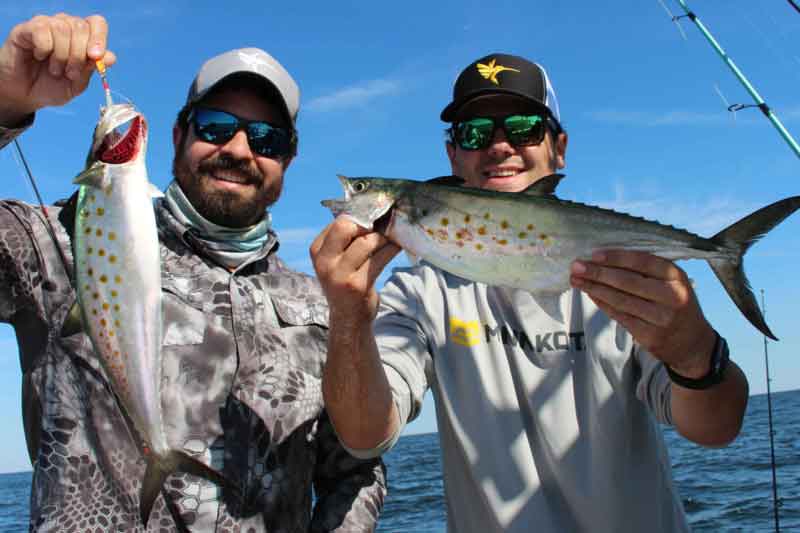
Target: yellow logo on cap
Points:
(491, 71)
(465, 333)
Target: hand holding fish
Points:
(654, 300)
(47, 61)
(348, 259)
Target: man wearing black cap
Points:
(547, 405)
(244, 337)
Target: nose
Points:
(500, 147)
(238, 147)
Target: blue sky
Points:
(645, 110)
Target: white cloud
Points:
(357, 95)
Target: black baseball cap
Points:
(503, 74)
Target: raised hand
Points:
(48, 61)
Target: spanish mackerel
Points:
(528, 240)
(118, 283)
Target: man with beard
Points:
(244, 338)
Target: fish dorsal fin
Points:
(453, 181)
(545, 186)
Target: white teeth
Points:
(228, 177)
(502, 173)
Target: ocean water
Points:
(727, 489)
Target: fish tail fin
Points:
(158, 468)
(739, 237)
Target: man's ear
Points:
(451, 155)
(177, 136)
(561, 150)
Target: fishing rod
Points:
(775, 501)
(765, 109)
(794, 5)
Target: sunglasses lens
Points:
(267, 140)
(214, 126)
(524, 130)
(474, 134)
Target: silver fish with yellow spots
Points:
(527, 241)
(118, 282)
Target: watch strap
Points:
(719, 362)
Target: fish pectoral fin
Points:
(545, 186)
(73, 323)
(94, 176)
(154, 191)
(452, 181)
(186, 463)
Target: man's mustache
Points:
(229, 163)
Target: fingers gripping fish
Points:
(118, 283)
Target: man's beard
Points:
(225, 208)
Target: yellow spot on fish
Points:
(99, 232)
(95, 295)
(482, 230)
(87, 230)
(522, 235)
(111, 333)
(542, 236)
(504, 224)
(111, 235)
(90, 250)
(101, 252)
(84, 213)
(91, 198)
(116, 322)
(479, 246)
(114, 294)
(467, 218)
(100, 211)
(502, 242)
(445, 221)
(90, 272)
(429, 231)
(487, 216)
(94, 312)
(103, 322)
(105, 306)
(112, 258)
(459, 235)
(530, 227)
(103, 278)
(118, 279)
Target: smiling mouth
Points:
(500, 173)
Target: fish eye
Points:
(360, 186)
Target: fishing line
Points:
(775, 501)
(760, 103)
(49, 225)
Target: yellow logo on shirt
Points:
(491, 70)
(465, 333)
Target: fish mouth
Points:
(382, 223)
(123, 143)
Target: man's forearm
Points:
(711, 417)
(357, 394)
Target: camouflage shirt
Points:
(242, 363)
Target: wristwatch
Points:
(719, 362)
